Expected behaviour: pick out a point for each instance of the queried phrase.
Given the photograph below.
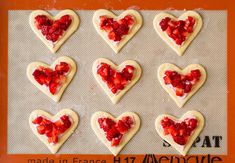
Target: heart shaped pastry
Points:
(117, 30)
(116, 80)
(180, 133)
(54, 31)
(178, 33)
(180, 84)
(52, 80)
(53, 131)
(115, 133)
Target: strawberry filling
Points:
(114, 131)
(180, 132)
(116, 29)
(182, 84)
(178, 30)
(52, 130)
(52, 79)
(52, 29)
(115, 80)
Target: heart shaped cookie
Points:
(180, 84)
(115, 133)
(52, 80)
(116, 80)
(180, 133)
(53, 31)
(53, 131)
(178, 33)
(117, 30)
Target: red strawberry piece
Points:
(167, 79)
(58, 123)
(67, 124)
(168, 31)
(196, 74)
(130, 69)
(129, 19)
(41, 129)
(53, 139)
(112, 133)
(122, 127)
(180, 140)
(166, 122)
(37, 120)
(53, 87)
(164, 23)
(128, 120)
(187, 88)
(62, 67)
(106, 123)
(168, 73)
(48, 127)
(115, 141)
(192, 123)
(179, 92)
(114, 90)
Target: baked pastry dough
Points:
(179, 49)
(180, 148)
(71, 29)
(54, 147)
(34, 65)
(180, 101)
(116, 97)
(125, 138)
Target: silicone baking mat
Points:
(147, 97)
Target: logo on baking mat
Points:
(149, 158)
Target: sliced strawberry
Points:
(41, 129)
(168, 31)
(38, 120)
(58, 123)
(115, 141)
(112, 133)
(53, 87)
(122, 127)
(128, 121)
(196, 74)
(167, 79)
(177, 30)
(53, 139)
(179, 131)
(179, 92)
(180, 140)
(115, 80)
(63, 67)
(52, 30)
(181, 83)
(114, 90)
(187, 88)
(116, 29)
(52, 129)
(50, 78)
(106, 123)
